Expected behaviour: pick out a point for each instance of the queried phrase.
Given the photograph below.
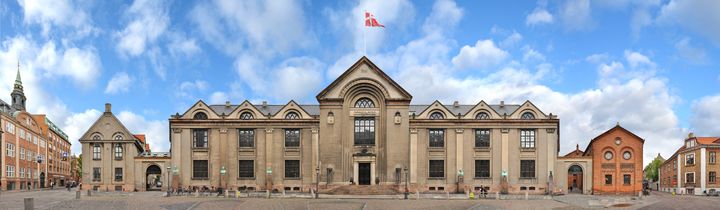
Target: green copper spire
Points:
(17, 79)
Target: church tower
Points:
(17, 95)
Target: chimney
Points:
(108, 107)
(577, 146)
(691, 135)
(227, 104)
(502, 104)
(264, 104)
(456, 104)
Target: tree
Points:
(651, 170)
(78, 167)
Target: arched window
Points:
(96, 137)
(482, 116)
(246, 116)
(200, 116)
(364, 103)
(437, 116)
(292, 116)
(118, 137)
(527, 116)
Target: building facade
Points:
(365, 131)
(33, 149)
(611, 164)
(693, 168)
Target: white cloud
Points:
(218, 97)
(576, 15)
(531, 55)
(264, 26)
(692, 54)
(539, 16)
(700, 16)
(483, 54)
(295, 78)
(77, 124)
(180, 45)
(149, 20)
(156, 131)
(511, 40)
(638, 60)
(598, 58)
(188, 89)
(119, 83)
(61, 13)
(706, 116)
(607, 70)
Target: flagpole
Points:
(364, 28)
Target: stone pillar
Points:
(269, 157)
(315, 154)
(356, 172)
(679, 169)
(413, 155)
(551, 156)
(459, 149)
(372, 173)
(504, 150)
(703, 170)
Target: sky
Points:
(648, 64)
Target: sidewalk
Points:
(412, 196)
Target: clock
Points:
(627, 155)
(608, 155)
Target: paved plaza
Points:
(62, 199)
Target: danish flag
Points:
(370, 20)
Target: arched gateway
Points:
(152, 178)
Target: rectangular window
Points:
(437, 137)
(711, 177)
(96, 174)
(246, 168)
(482, 168)
(22, 173)
(22, 153)
(118, 174)
(292, 137)
(10, 171)
(364, 131)
(712, 157)
(292, 168)
(482, 138)
(97, 151)
(608, 179)
(246, 138)
(10, 150)
(118, 152)
(690, 178)
(527, 168)
(690, 159)
(200, 138)
(527, 138)
(200, 169)
(437, 169)
(626, 179)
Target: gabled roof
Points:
(707, 140)
(292, 105)
(140, 137)
(617, 127)
(464, 109)
(204, 104)
(576, 153)
(363, 60)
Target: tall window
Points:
(200, 169)
(437, 169)
(527, 116)
(364, 131)
(118, 151)
(482, 137)
(527, 138)
(200, 116)
(364, 103)
(626, 179)
(437, 137)
(712, 177)
(608, 179)
(482, 168)
(690, 178)
(527, 168)
(482, 116)
(246, 137)
(22, 153)
(437, 116)
(292, 168)
(10, 150)
(246, 116)
(690, 159)
(246, 168)
(118, 174)
(97, 151)
(292, 137)
(292, 116)
(712, 157)
(200, 138)
(96, 174)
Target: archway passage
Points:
(42, 179)
(152, 178)
(575, 179)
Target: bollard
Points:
(447, 195)
(268, 193)
(497, 195)
(197, 193)
(88, 193)
(77, 194)
(417, 193)
(526, 196)
(226, 193)
(29, 204)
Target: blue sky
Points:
(648, 65)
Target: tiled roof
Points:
(707, 140)
(315, 109)
(140, 137)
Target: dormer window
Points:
(246, 116)
(437, 116)
(690, 143)
(527, 116)
(200, 116)
(364, 103)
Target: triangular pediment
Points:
(107, 127)
(482, 107)
(364, 71)
(528, 107)
(436, 107)
(292, 106)
(244, 107)
(200, 106)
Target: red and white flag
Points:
(370, 20)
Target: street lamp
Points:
(405, 169)
(168, 181)
(317, 181)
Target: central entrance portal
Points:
(364, 173)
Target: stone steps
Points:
(362, 190)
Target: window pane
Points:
(292, 137)
(246, 168)
(482, 138)
(292, 168)
(527, 138)
(482, 168)
(200, 169)
(364, 131)
(437, 137)
(246, 137)
(364, 103)
(437, 169)
(527, 168)
(200, 138)
(626, 179)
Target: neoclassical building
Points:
(693, 168)
(363, 131)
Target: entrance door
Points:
(575, 179)
(364, 173)
(42, 179)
